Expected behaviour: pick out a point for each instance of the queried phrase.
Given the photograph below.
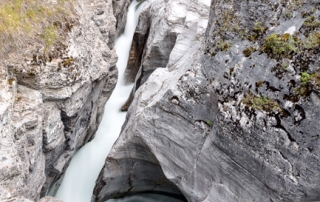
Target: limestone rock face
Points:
(139, 41)
(120, 10)
(132, 166)
(156, 36)
(49, 199)
(52, 102)
(234, 115)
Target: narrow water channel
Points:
(79, 179)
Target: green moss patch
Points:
(305, 77)
(312, 41)
(312, 23)
(261, 103)
(258, 31)
(292, 6)
(280, 46)
(221, 46)
(210, 123)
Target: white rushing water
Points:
(80, 177)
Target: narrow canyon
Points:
(160, 100)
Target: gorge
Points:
(224, 104)
(79, 179)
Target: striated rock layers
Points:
(234, 113)
(52, 101)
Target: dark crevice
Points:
(283, 156)
(67, 121)
(283, 128)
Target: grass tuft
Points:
(50, 35)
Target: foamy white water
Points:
(80, 177)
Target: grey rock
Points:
(49, 199)
(120, 10)
(195, 115)
(51, 103)
(22, 162)
(138, 45)
(131, 166)
(158, 34)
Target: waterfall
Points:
(79, 180)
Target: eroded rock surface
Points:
(234, 118)
(156, 36)
(49, 199)
(130, 167)
(120, 10)
(52, 101)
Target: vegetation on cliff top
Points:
(31, 19)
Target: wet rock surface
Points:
(52, 102)
(233, 115)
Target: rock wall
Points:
(52, 101)
(234, 114)
(132, 165)
(120, 10)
